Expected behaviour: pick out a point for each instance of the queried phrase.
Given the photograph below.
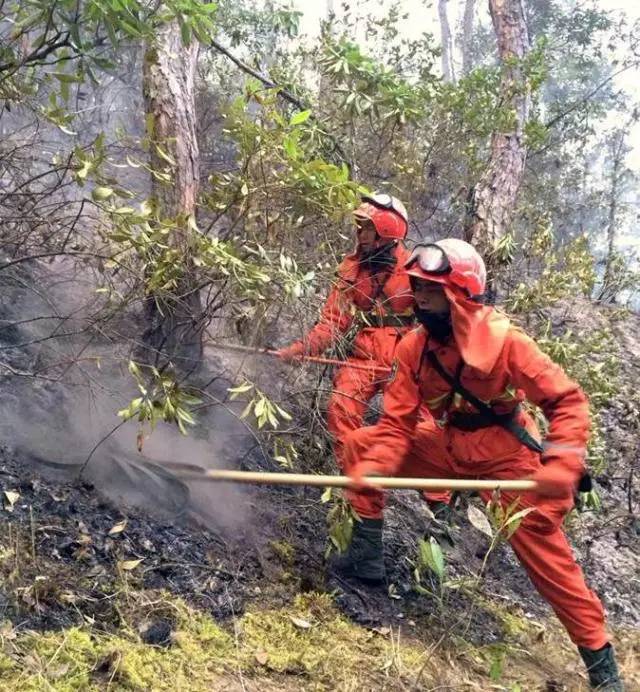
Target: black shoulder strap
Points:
(506, 422)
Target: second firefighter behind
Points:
(372, 296)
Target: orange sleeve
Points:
(336, 317)
(392, 437)
(561, 399)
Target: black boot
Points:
(602, 669)
(363, 559)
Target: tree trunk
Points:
(618, 153)
(447, 49)
(467, 35)
(495, 194)
(174, 321)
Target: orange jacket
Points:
(521, 371)
(357, 289)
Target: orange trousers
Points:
(352, 391)
(539, 542)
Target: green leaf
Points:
(260, 408)
(431, 556)
(185, 33)
(84, 170)
(101, 193)
(164, 155)
(66, 78)
(282, 413)
(326, 495)
(185, 416)
(299, 118)
(240, 389)
(513, 522)
(438, 558)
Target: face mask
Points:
(378, 258)
(436, 323)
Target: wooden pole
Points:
(264, 478)
(379, 369)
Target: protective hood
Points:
(479, 330)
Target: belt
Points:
(468, 422)
(391, 320)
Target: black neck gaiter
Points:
(437, 324)
(378, 259)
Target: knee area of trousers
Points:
(366, 505)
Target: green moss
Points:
(73, 659)
(313, 640)
(284, 551)
(6, 665)
(514, 626)
(310, 641)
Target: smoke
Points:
(63, 377)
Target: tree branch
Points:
(286, 95)
(283, 93)
(576, 104)
(37, 55)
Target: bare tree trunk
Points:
(495, 194)
(447, 46)
(173, 321)
(467, 35)
(618, 153)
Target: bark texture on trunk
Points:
(467, 35)
(447, 45)
(495, 194)
(174, 322)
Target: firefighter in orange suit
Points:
(372, 288)
(454, 410)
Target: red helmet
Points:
(451, 262)
(387, 213)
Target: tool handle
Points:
(380, 369)
(263, 478)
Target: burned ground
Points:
(127, 558)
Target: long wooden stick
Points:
(378, 369)
(264, 478)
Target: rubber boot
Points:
(363, 559)
(602, 669)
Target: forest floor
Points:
(101, 591)
(93, 597)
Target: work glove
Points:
(358, 476)
(293, 352)
(555, 480)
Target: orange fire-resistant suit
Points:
(380, 297)
(503, 367)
